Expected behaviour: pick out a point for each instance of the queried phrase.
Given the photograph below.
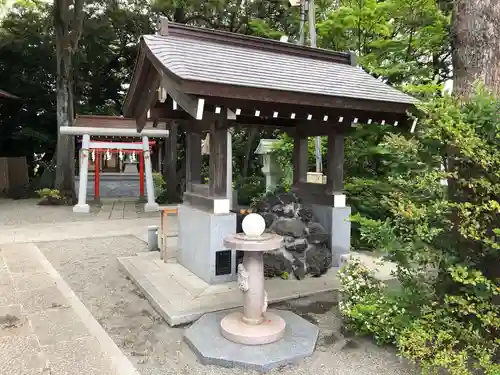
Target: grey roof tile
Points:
(222, 62)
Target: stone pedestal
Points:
(336, 221)
(253, 338)
(201, 244)
(254, 325)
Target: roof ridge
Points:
(175, 29)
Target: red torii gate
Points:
(115, 148)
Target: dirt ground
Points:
(91, 269)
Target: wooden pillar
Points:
(158, 150)
(299, 159)
(193, 159)
(218, 159)
(170, 165)
(335, 165)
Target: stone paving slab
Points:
(27, 211)
(181, 297)
(45, 232)
(44, 327)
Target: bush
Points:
(446, 313)
(49, 193)
(250, 188)
(159, 184)
(52, 197)
(368, 308)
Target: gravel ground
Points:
(91, 269)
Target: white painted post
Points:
(82, 206)
(151, 205)
(229, 185)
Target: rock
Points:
(306, 215)
(269, 218)
(289, 210)
(275, 265)
(318, 260)
(262, 206)
(278, 211)
(305, 248)
(317, 234)
(299, 269)
(287, 198)
(289, 227)
(298, 245)
(272, 200)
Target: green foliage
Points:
(445, 246)
(249, 189)
(49, 193)
(104, 61)
(367, 308)
(159, 184)
(404, 41)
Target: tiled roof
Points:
(97, 121)
(219, 61)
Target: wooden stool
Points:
(162, 233)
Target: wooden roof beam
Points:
(191, 104)
(148, 97)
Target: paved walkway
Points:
(24, 221)
(74, 230)
(26, 211)
(44, 328)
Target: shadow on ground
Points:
(91, 269)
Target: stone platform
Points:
(181, 297)
(205, 339)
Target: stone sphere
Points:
(253, 225)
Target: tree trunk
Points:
(65, 144)
(252, 132)
(68, 23)
(476, 45)
(476, 59)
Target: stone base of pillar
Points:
(211, 348)
(336, 222)
(151, 207)
(201, 248)
(234, 329)
(81, 208)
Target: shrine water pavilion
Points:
(203, 81)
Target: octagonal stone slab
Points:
(204, 338)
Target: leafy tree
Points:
(68, 24)
(405, 42)
(27, 69)
(447, 311)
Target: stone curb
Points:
(120, 362)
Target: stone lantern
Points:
(270, 167)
